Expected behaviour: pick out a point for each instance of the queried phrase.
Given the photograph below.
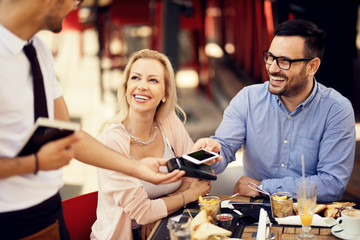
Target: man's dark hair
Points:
(314, 37)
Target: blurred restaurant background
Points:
(216, 49)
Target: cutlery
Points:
(234, 195)
(238, 212)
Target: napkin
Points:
(261, 232)
(226, 204)
(317, 221)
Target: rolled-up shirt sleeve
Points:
(231, 132)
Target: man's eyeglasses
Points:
(78, 2)
(283, 62)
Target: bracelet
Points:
(36, 163)
(183, 195)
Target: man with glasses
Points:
(290, 116)
(30, 205)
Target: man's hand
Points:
(243, 189)
(148, 170)
(58, 153)
(210, 145)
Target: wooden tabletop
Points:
(281, 232)
(289, 233)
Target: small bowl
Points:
(224, 220)
(211, 204)
(281, 204)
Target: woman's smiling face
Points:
(145, 86)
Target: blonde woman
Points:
(145, 126)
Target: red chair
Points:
(80, 214)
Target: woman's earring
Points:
(163, 100)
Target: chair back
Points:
(80, 214)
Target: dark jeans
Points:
(136, 233)
(23, 223)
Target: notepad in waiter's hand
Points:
(44, 131)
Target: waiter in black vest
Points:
(30, 205)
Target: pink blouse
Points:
(123, 198)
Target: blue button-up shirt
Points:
(322, 128)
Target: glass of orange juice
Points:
(306, 197)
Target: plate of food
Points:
(203, 229)
(324, 216)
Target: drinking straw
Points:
(303, 168)
(303, 173)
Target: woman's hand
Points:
(199, 187)
(186, 182)
(178, 199)
(210, 145)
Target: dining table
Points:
(244, 226)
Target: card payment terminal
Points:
(201, 171)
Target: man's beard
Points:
(57, 29)
(53, 21)
(274, 90)
(289, 90)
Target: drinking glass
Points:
(211, 204)
(179, 228)
(306, 198)
(281, 204)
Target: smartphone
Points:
(200, 156)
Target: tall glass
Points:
(306, 198)
(179, 228)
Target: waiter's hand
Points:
(58, 153)
(243, 189)
(148, 170)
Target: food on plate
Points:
(200, 218)
(276, 197)
(328, 210)
(208, 231)
(282, 204)
(332, 210)
(202, 229)
(211, 204)
(318, 208)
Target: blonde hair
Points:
(164, 108)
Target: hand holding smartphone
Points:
(200, 156)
